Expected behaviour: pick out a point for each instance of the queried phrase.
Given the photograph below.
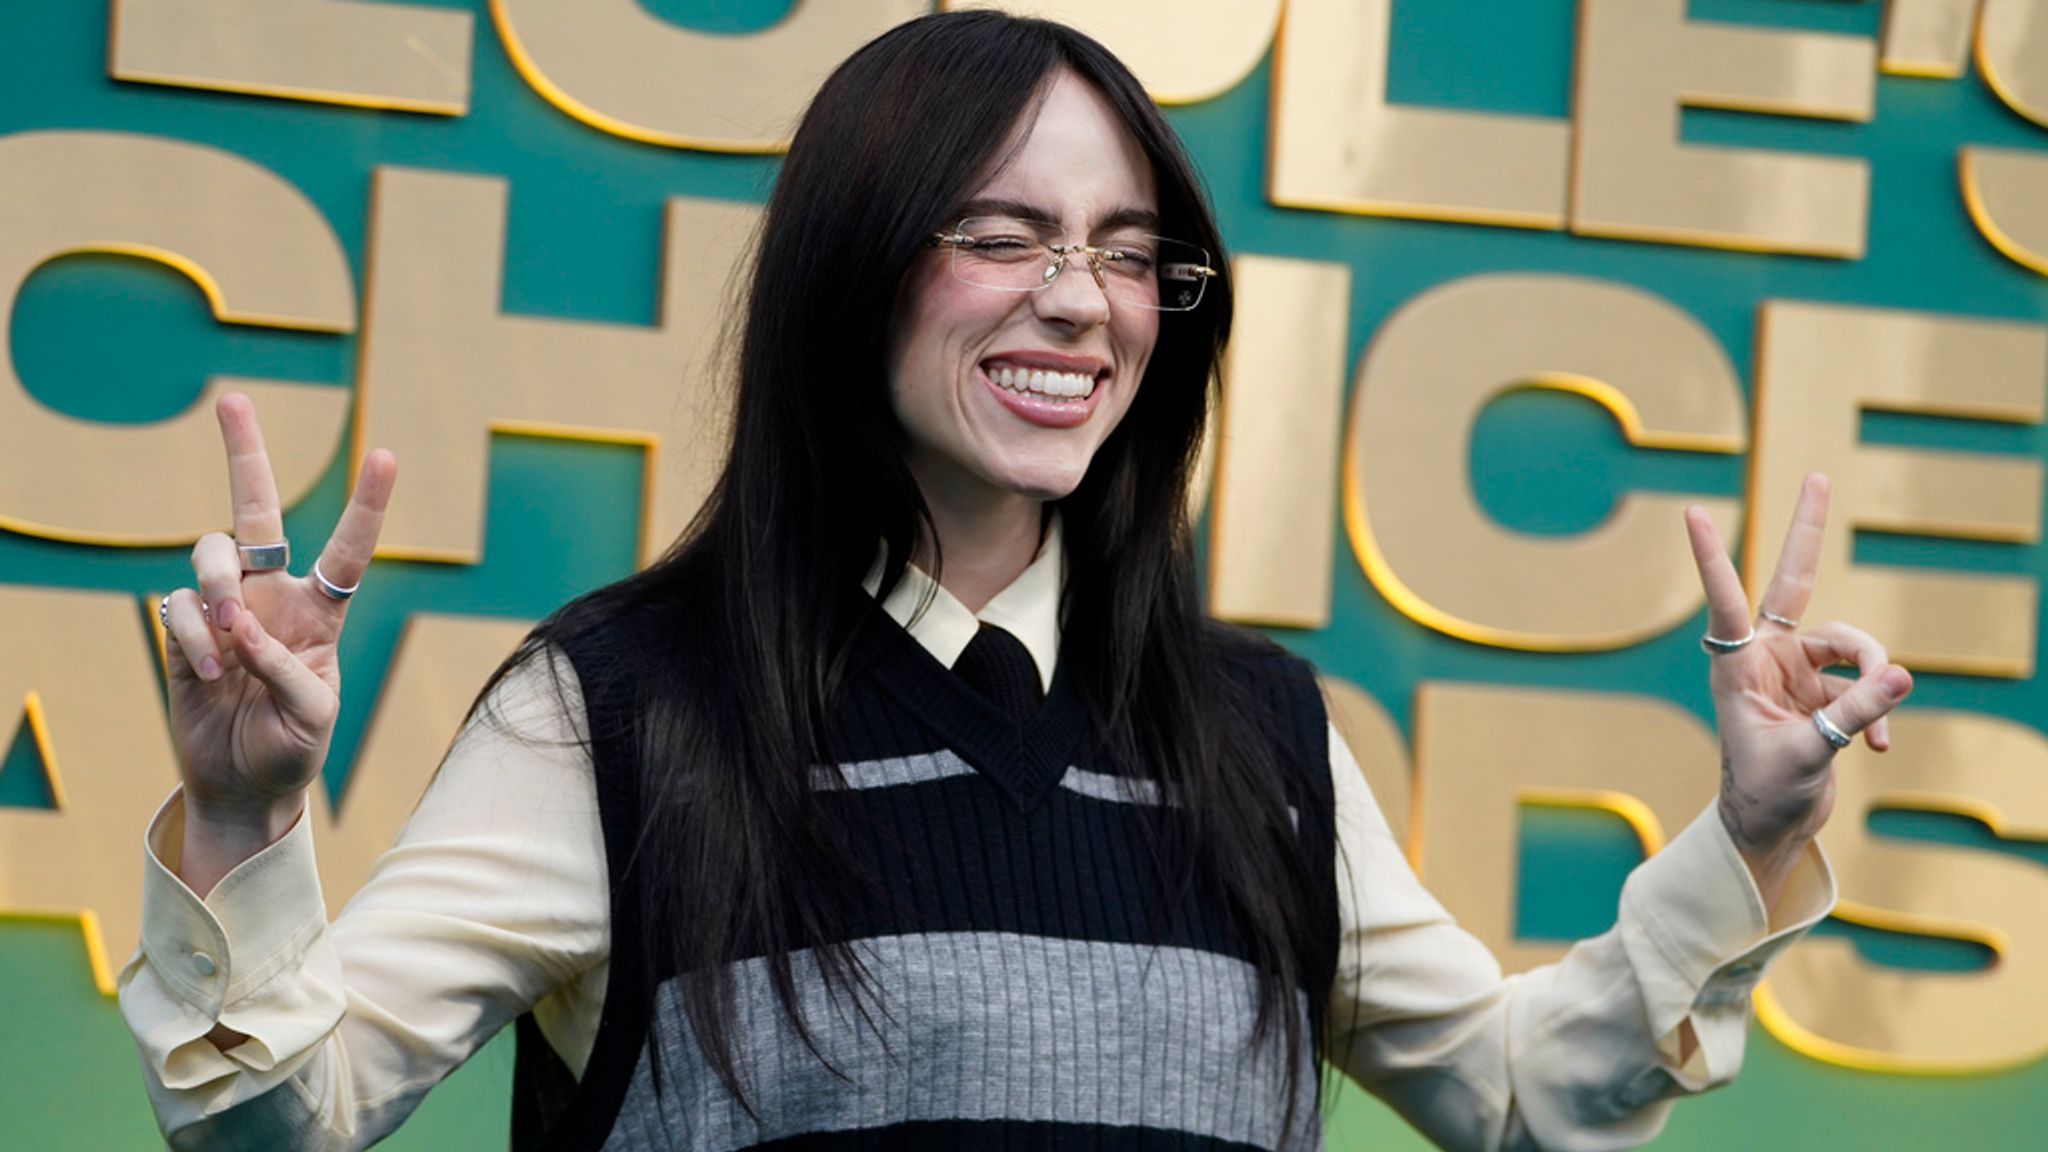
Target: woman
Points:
(778, 841)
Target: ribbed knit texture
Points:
(1031, 989)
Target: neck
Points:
(985, 546)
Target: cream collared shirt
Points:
(1028, 608)
(493, 902)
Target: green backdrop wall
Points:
(121, 340)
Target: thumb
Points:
(1870, 699)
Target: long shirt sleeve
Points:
(492, 901)
(1581, 1054)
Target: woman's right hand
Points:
(254, 669)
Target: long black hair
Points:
(750, 614)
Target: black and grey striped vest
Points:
(1031, 994)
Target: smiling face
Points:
(1007, 395)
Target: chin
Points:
(1044, 491)
(1040, 481)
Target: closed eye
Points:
(1132, 256)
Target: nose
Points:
(1076, 294)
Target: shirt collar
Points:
(1028, 608)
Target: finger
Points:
(1727, 606)
(1838, 643)
(218, 568)
(191, 636)
(1878, 735)
(348, 551)
(252, 489)
(1867, 701)
(302, 697)
(1791, 586)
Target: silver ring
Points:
(1836, 738)
(1780, 621)
(163, 611)
(163, 617)
(329, 588)
(265, 557)
(1716, 646)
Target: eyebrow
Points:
(1125, 217)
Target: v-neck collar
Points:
(1026, 761)
(1027, 608)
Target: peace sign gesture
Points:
(255, 682)
(1781, 720)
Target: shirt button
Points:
(202, 964)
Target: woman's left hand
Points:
(1777, 765)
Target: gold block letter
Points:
(1339, 145)
(1270, 536)
(440, 663)
(1932, 38)
(1435, 554)
(1381, 754)
(86, 657)
(1820, 367)
(1483, 752)
(620, 69)
(1927, 37)
(442, 368)
(2012, 52)
(1641, 60)
(1183, 51)
(258, 249)
(1829, 1003)
(2007, 194)
(331, 51)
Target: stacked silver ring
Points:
(1780, 621)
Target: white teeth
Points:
(1059, 385)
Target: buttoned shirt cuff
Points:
(1699, 938)
(252, 956)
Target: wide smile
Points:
(1052, 397)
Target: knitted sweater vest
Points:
(1030, 990)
